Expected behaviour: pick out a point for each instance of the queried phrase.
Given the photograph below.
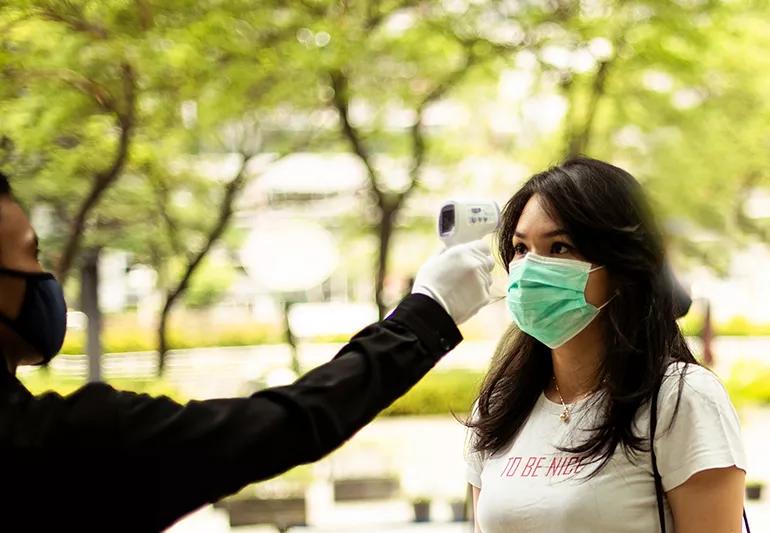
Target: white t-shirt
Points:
(531, 486)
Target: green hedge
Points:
(444, 392)
(738, 326)
(691, 324)
(741, 326)
(42, 380)
(749, 383)
(438, 393)
(455, 391)
(127, 339)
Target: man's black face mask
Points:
(42, 320)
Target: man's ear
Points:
(11, 295)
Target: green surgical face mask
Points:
(546, 297)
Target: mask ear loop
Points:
(605, 304)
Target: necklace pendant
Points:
(564, 416)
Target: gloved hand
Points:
(458, 278)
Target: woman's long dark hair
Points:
(605, 212)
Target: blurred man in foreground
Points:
(106, 460)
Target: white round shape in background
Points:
(287, 255)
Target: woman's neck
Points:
(576, 364)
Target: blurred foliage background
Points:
(113, 112)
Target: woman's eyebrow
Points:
(553, 233)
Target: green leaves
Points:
(680, 100)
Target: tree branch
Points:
(103, 180)
(578, 144)
(390, 204)
(449, 81)
(476, 41)
(372, 11)
(8, 26)
(313, 8)
(232, 189)
(172, 232)
(146, 20)
(417, 133)
(342, 104)
(269, 39)
(76, 24)
(87, 86)
(375, 17)
(226, 210)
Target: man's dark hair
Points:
(5, 186)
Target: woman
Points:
(561, 428)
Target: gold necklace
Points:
(567, 412)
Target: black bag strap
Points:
(656, 475)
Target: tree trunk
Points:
(707, 337)
(89, 303)
(386, 204)
(163, 336)
(232, 190)
(385, 233)
(103, 180)
(578, 144)
(291, 340)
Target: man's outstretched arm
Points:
(169, 459)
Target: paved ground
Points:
(211, 521)
(759, 517)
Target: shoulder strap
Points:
(655, 473)
(658, 483)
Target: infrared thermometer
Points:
(462, 221)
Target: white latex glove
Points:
(458, 278)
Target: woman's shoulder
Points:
(697, 383)
(698, 430)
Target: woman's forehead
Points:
(535, 219)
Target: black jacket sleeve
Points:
(167, 459)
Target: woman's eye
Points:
(519, 249)
(560, 248)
